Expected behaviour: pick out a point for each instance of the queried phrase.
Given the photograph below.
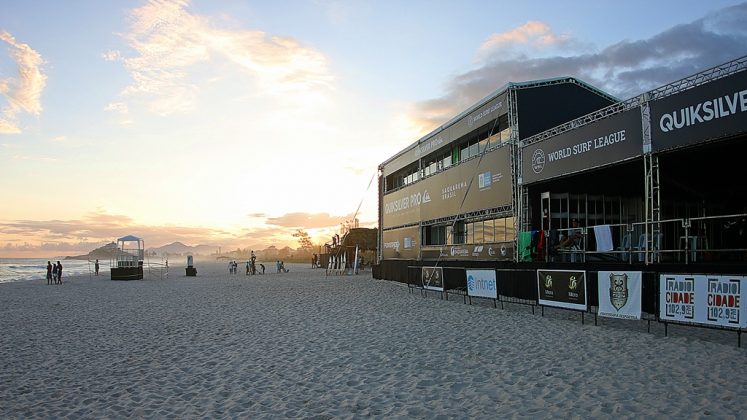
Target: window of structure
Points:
(434, 235)
(459, 233)
(488, 231)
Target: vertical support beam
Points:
(514, 144)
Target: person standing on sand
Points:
(59, 273)
(96, 266)
(277, 264)
(54, 273)
(262, 266)
(247, 268)
(49, 272)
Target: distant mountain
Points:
(178, 248)
(106, 252)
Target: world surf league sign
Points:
(715, 300)
(597, 144)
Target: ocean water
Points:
(25, 269)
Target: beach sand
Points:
(301, 344)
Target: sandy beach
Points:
(301, 344)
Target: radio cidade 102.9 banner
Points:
(703, 299)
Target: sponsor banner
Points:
(479, 117)
(562, 288)
(422, 148)
(503, 251)
(620, 294)
(433, 278)
(604, 142)
(401, 243)
(442, 194)
(481, 283)
(470, 122)
(703, 299)
(715, 109)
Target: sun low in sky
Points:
(234, 123)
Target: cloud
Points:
(112, 55)
(172, 45)
(624, 69)
(117, 107)
(534, 34)
(307, 220)
(22, 93)
(79, 236)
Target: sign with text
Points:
(482, 283)
(484, 114)
(703, 299)
(562, 288)
(600, 143)
(433, 278)
(709, 111)
(476, 184)
(401, 243)
(620, 294)
(503, 251)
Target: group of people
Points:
(54, 273)
(281, 267)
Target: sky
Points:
(234, 123)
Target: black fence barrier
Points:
(517, 283)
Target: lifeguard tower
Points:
(129, 259)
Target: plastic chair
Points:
(626, 247)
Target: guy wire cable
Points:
(469, 186)
(363, 198)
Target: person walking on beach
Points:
(262, 266)
(49, 272)
(96, 266)
(59, 273)
(54, 273)
(247, 268)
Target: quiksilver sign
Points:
(721, 107)
(707, 112)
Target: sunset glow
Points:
(234, 124)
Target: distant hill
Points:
(106, 252)
(178, 248)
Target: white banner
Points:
(481, 283)
(703, 299)
(620, 294)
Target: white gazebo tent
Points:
(129, 259)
